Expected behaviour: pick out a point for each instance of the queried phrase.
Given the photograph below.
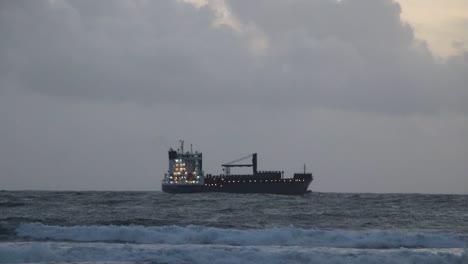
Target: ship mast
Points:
(181, 146)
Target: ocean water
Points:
(154, 227)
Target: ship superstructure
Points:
(185, 175)
(185, 168)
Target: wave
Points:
(40, 252)
(285, 236)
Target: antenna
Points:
(181, 146)
(191, 149)
(304, 168)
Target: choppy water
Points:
(153, 227)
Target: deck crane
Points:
(227, 166)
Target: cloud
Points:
(353, 54)
(342, 55)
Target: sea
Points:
(155, 227)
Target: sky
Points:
(370, 94)
(441, 23)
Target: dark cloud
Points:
(352, 54)
(349, 54)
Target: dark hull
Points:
(287, 188)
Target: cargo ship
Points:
(185, 175)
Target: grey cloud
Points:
(353, 54)
(341, 55)
(156, 53)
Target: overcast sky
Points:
(93, 93)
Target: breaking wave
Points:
(40, 252)
(285, 236)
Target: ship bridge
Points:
(184, 167)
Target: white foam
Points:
(27, 252)
(287, 236)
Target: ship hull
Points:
(175, 188)
(286, 188)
